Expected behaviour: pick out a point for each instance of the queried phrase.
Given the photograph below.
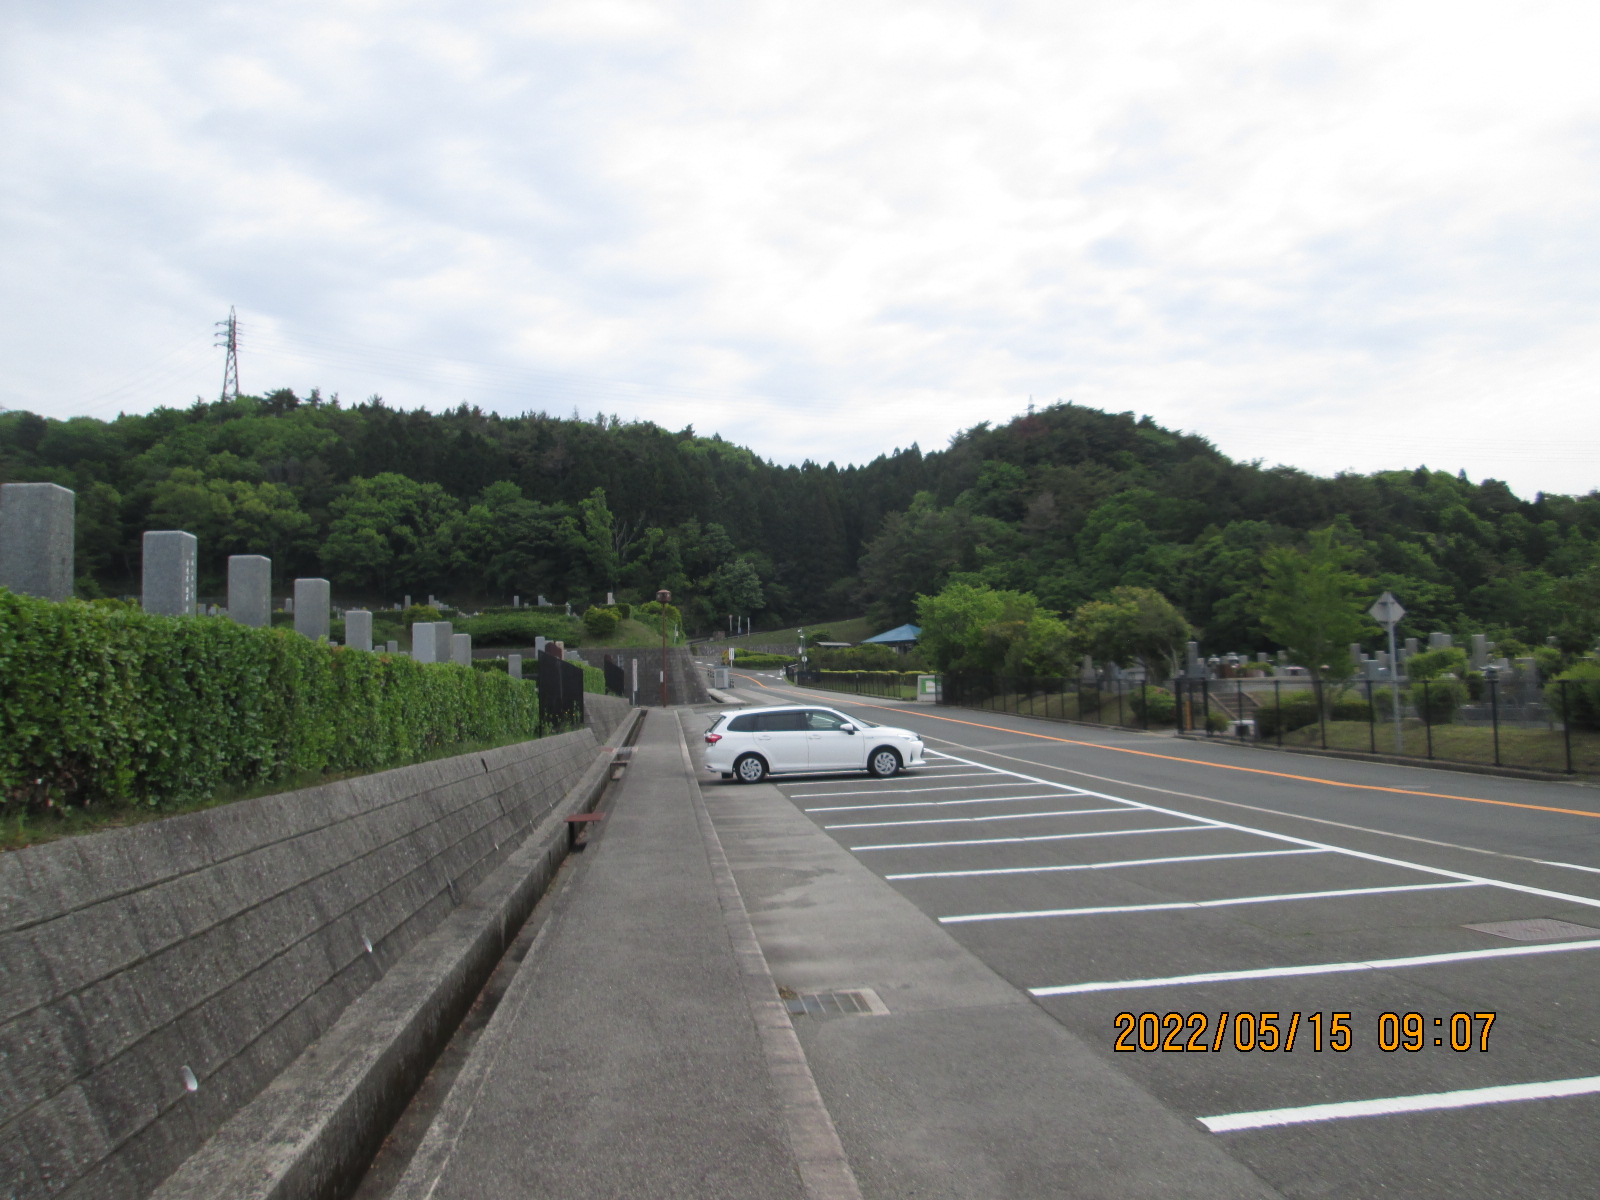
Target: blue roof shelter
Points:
(904, 635)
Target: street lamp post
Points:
(663, 598)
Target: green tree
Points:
(1132, 624)
(970, 626)
(736, 588)
(1313, 604)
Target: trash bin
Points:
(1244, 729)
(927, 689)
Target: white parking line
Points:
(1183, 904)
(1105, 866)
(1070, 812)
(941, 803)
(1380, 964)
(1523, 888)
(1426, 1102)
(1045, 837)
(878, 791)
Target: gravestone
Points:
(514, 666)
(36, 539)
(543, 603)
(443, 641)
(392, 646)
(1086, 668)
(358, 629)
(1283, 658)
(1357, 654)
(1480, 651)
(311, 608)
(1411, 647)
(250, 589)
(516, 602)
(170, 572)
(422, 641)
(538, 645)
(611, 599)
(288, 604)
(461, 649)
(1438, 641)
(1192, 662)
(408, 603)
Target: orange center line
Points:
(1200, 762)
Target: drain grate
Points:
(841, 1002)
(1536, 930)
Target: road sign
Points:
(1386, 610)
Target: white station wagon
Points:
(748, 744)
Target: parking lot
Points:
(1351, 1010)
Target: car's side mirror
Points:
(848, 728)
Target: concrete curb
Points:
(312, 1132)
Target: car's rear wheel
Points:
(883, 762)
(750, 768)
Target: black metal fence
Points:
(616, 678)
(1507, 723)
(1127, 703)
(882, 685)
(560, 693)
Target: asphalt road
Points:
(1185, 910)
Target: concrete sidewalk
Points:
(637, 1051)
(641, 1049)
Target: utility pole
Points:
(228, 336)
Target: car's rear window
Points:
(745, 723)
(787, 721)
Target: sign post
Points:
(1386, 611)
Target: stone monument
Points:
(170, 572)
(358, 629)
(461, 649)
(311, 606)
(250, 589)
(36, 539)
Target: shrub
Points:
(1297, 710)
(1436, 700)
(1431, 664)
(521, 628)
(601, 622)
(123, 707)
(1574, 695)
(420, 612)
(624, 611)
(1153, 704)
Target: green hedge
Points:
(521, 628)
(108, 704)
(756, 661)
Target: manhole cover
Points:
(842, 1002)
(1536, 930)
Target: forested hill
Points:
(1066, 502)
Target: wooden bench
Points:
(580, 821)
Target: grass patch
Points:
(850, 629)
(1532, 749)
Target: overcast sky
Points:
(1334, 235)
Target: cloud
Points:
(1334, 234)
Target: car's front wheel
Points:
(750, 769)
(883, 762)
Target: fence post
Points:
(1205, 704)
(1121, 720)
(1277, 707)
(1566, 722)
(1494, 714)
(1427, 715)
(1238, 696)
(1372, 728)
(1144, 704)
(1322, 710)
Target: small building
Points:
(902, 638)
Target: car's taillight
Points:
(713, 738)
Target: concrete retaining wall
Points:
(154, 980)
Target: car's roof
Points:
(729, 712)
